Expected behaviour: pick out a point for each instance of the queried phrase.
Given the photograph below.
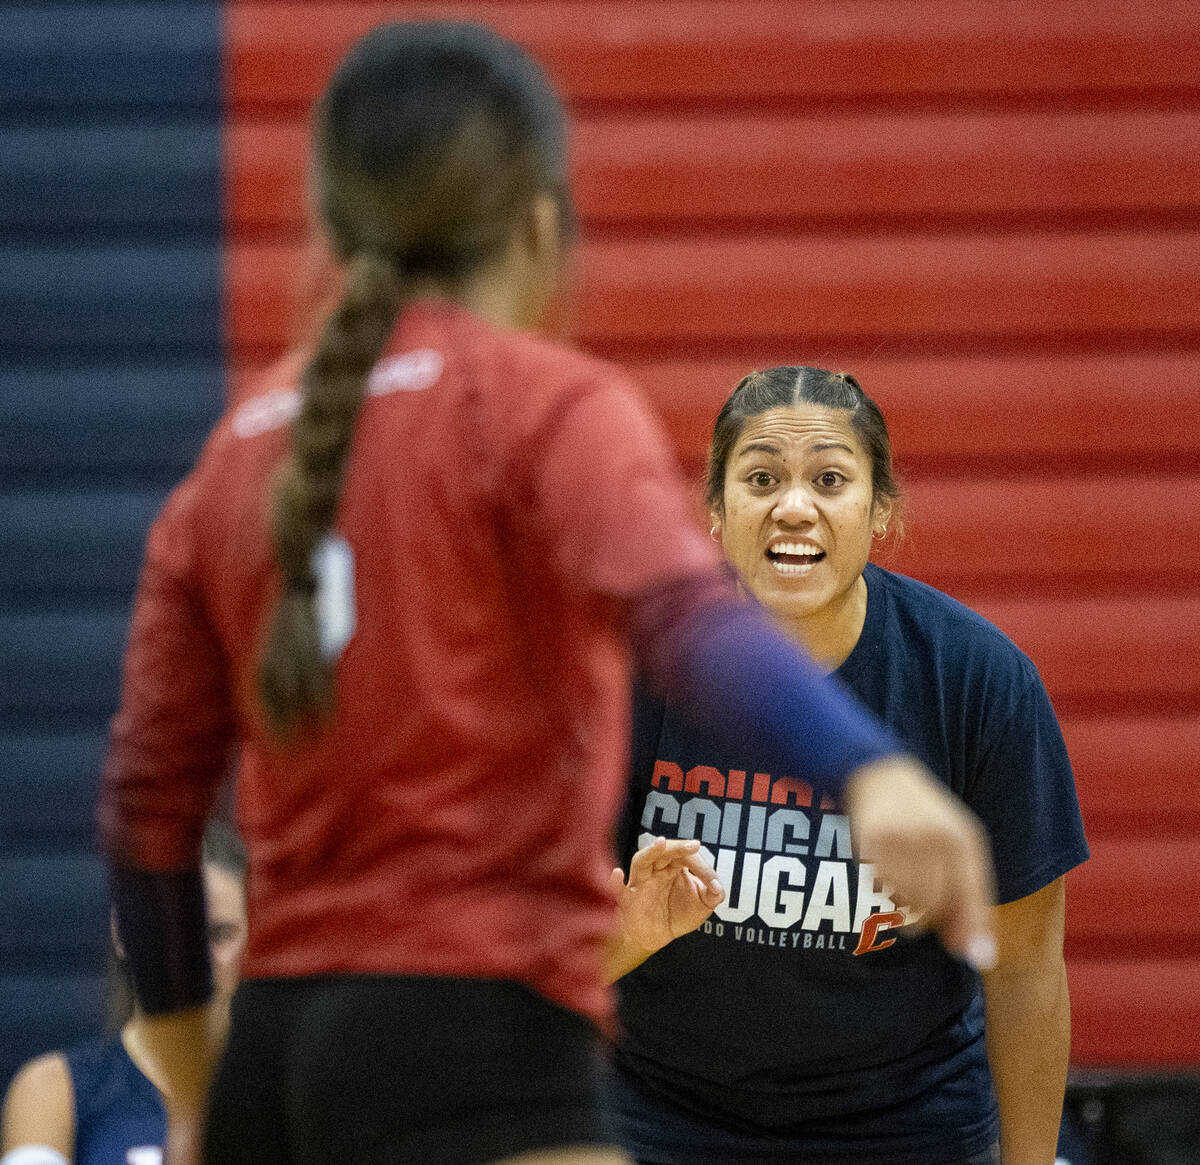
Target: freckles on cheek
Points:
(737, 526)
(860, 520)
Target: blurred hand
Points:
(182, 1049)
(671, 890)
(929, 849)
(184, 1132)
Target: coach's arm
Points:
(1028, 1024)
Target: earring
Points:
(878, 536)
(713, 533)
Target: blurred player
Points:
(96, 1103)
(406, 577)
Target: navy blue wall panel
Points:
(60, 663)
(42, 911)
(150, 58)
(69, 993)
(50, 542)
(48, 788)
(144, 419)
(110, 299)
(125, 177)
(110, 377)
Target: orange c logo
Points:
(871, 927)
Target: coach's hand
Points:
(671, 891)
(929, 849)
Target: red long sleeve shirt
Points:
(504, 499)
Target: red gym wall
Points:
(990, 213)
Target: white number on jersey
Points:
(333, 566)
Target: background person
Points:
(97, 1103)
(804, 1021)
(469, 529)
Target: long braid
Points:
(430, 143)
(295, 680)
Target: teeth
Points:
(808, 555)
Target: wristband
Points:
(162, 924)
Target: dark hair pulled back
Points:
(791, 384)
(430, 143)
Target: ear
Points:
(881, 513)
(546, 231)
(544, 253)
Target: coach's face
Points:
(798, 511)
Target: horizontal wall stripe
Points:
(74, 543)
(1135, 1013)
(935, 287)
(130, 420)
(51, 1003)
(677, 173)
(124, 178)
(87, 57)
(710, 51)
(1037, 534)
(111, 299)
(62, 661)
(41, 906)
(1159, 801)
(1144, 652)
(1123, 871)
(758, 292)
(48, 785)
(990, 414)
(952, 415)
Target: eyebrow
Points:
(759, 447)
(773, 450)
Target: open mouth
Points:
(794, 557)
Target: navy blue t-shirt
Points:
(801, 1022)
(119, 1115)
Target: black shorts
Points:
(382, 1070)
